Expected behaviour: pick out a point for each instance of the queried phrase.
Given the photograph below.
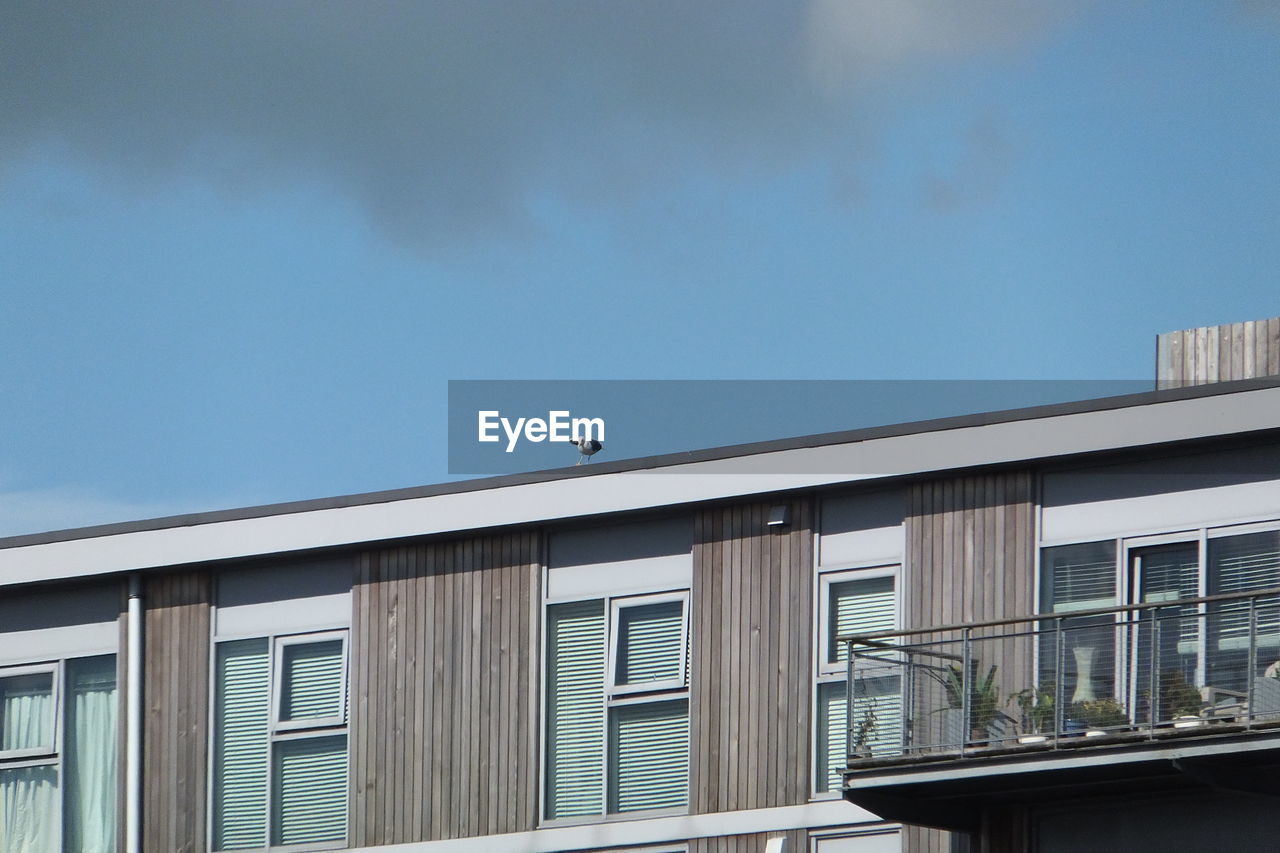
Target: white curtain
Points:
(27, 711)
(29, 809)
(89, 801)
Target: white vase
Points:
(1084, 674)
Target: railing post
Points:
(966, 687)
(1253, 660)
(1059, 712)
(1153, 695)
(848, 704)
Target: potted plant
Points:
(862, 735)
(1037, 705)
(1099, 715)
(1179, 701)
(984, 703)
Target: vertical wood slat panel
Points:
(750, 690)
(443, 732)
(176, 712)
(1223, 353)
(970, 557)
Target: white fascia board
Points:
(762, 473)
(648, 831)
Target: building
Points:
(652, 654)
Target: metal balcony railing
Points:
(1140, 672)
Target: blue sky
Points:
(245, 246)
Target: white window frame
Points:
(826, 672)
(610, 699)
(616, 606)
(279, 726)
(280, 732)
(13, 759)
(829, 578)
(53, 752)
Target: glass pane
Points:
(877, 725)
(1244, 564)
(863, 606)
(649, 756)
(29, 810)
(26, 712)
(309, 791)
(575, 708)
(1168, 647)
(89, 802)
(241, 716)
(650, 645)
(1076, 578)
(311, 681)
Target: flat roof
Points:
(822, 460)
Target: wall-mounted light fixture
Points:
(779, 517)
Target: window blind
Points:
(575, 708)
(1242, 564)
(650, 642)
(863, 606)
(649, 756)
(310, 791)
(1079, 577)
(311, 676)
(241, 735)
(1170, 573)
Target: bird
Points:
(586, 446)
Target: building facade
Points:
(649, 655)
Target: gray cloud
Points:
(442, 119)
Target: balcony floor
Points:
(951, 790)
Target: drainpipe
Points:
(133, 721)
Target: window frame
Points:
(284, 727)
(53, 753)
(15, 759)
(829, 670)
(611, 697)
(280, 733)
(614, 690)
(826, 672)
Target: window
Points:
(280, 742)
(1199, 645)
(58, 756)
(859, 601)
(617, 705)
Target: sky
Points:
(245, 246)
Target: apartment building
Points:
(655, 654)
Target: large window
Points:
(1204, 647)
(859, 601)
(617, 712)
(280, 742)
(58, 756)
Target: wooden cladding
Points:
(444, 690)
(752, 668)
(176, 717)
(970, 557)
(970, 549)
(1218, 353)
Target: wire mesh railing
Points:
(1066, 679)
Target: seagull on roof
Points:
(587, 447)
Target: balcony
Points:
(1173, 695)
